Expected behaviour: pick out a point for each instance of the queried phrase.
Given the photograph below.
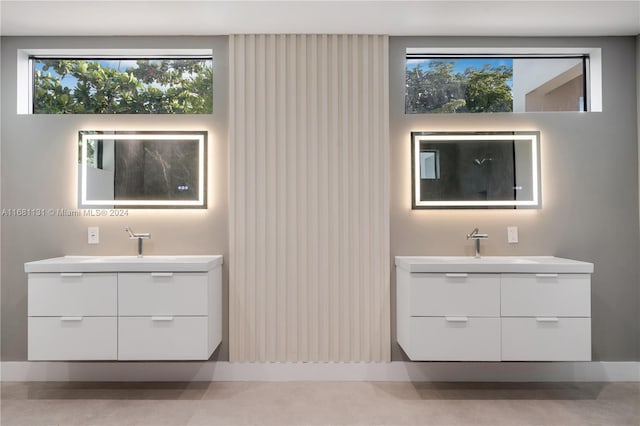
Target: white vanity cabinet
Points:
(124, 308)
(546, 317)
(165, 315)
(72, 316)
(493, 309)
(460, 311)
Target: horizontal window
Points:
(121, 85)
(497, 82)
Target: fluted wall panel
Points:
(309, 220)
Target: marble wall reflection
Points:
(156, 170)
(471, 171)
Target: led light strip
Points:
(150, 136)
(533, 138)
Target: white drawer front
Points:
(455, 294)
(144, 294)
(545, 339)
(83, 294)
(72, 338)
(162, 338)
(530, 295)
(439, 339)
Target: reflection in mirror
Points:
(429, 164)
(475, 170)
(142, 169)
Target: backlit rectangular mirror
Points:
(142, 169)
(475, 170)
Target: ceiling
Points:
(212, 17)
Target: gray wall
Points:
(589, 187)
(39, 156)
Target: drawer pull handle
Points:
(162, 274)
(161, 318)
(70, 318)
(547, 275)
(71, 274)
(457, 319)
(547, 319)
(456, 275)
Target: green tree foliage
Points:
(439, 89)
(155, 87)
(487, 90)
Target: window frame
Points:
(25, 80)
(592, 64)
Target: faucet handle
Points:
(475, 235)
(474, 232)
(129, 231)
(133, 235)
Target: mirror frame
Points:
(418, 137)
(177, 136)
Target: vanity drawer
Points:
(82, 294)
(162, 293)
(454, 339)
(546, 339)
(72, 338)
(162, 338)
(530, 295)
(455, 294)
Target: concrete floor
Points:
(319, 403)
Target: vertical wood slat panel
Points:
(251, 191)
(331, 54)
(384, 303)
(342, 325)
(314, 311)
(301, 179)
(270, 207)
(261, 172)
(281, 213)
(291, 196)
(309, 250)
(326, 344)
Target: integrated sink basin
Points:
(475, 260)
(194, 263)
(493, 264)
(144, 259)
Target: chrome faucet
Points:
(475, 235)
(140, 237)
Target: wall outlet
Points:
(512, 234)
(93, 235)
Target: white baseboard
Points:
(285, 372)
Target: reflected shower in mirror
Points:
(142, 169)
(475, 170)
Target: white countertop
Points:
(198, 263)
(493, 264)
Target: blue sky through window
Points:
(157, 85)
(71, 82)
(117, 64)
(462, 64)
(67, 81)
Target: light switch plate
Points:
(512, 234)
(93, 235)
